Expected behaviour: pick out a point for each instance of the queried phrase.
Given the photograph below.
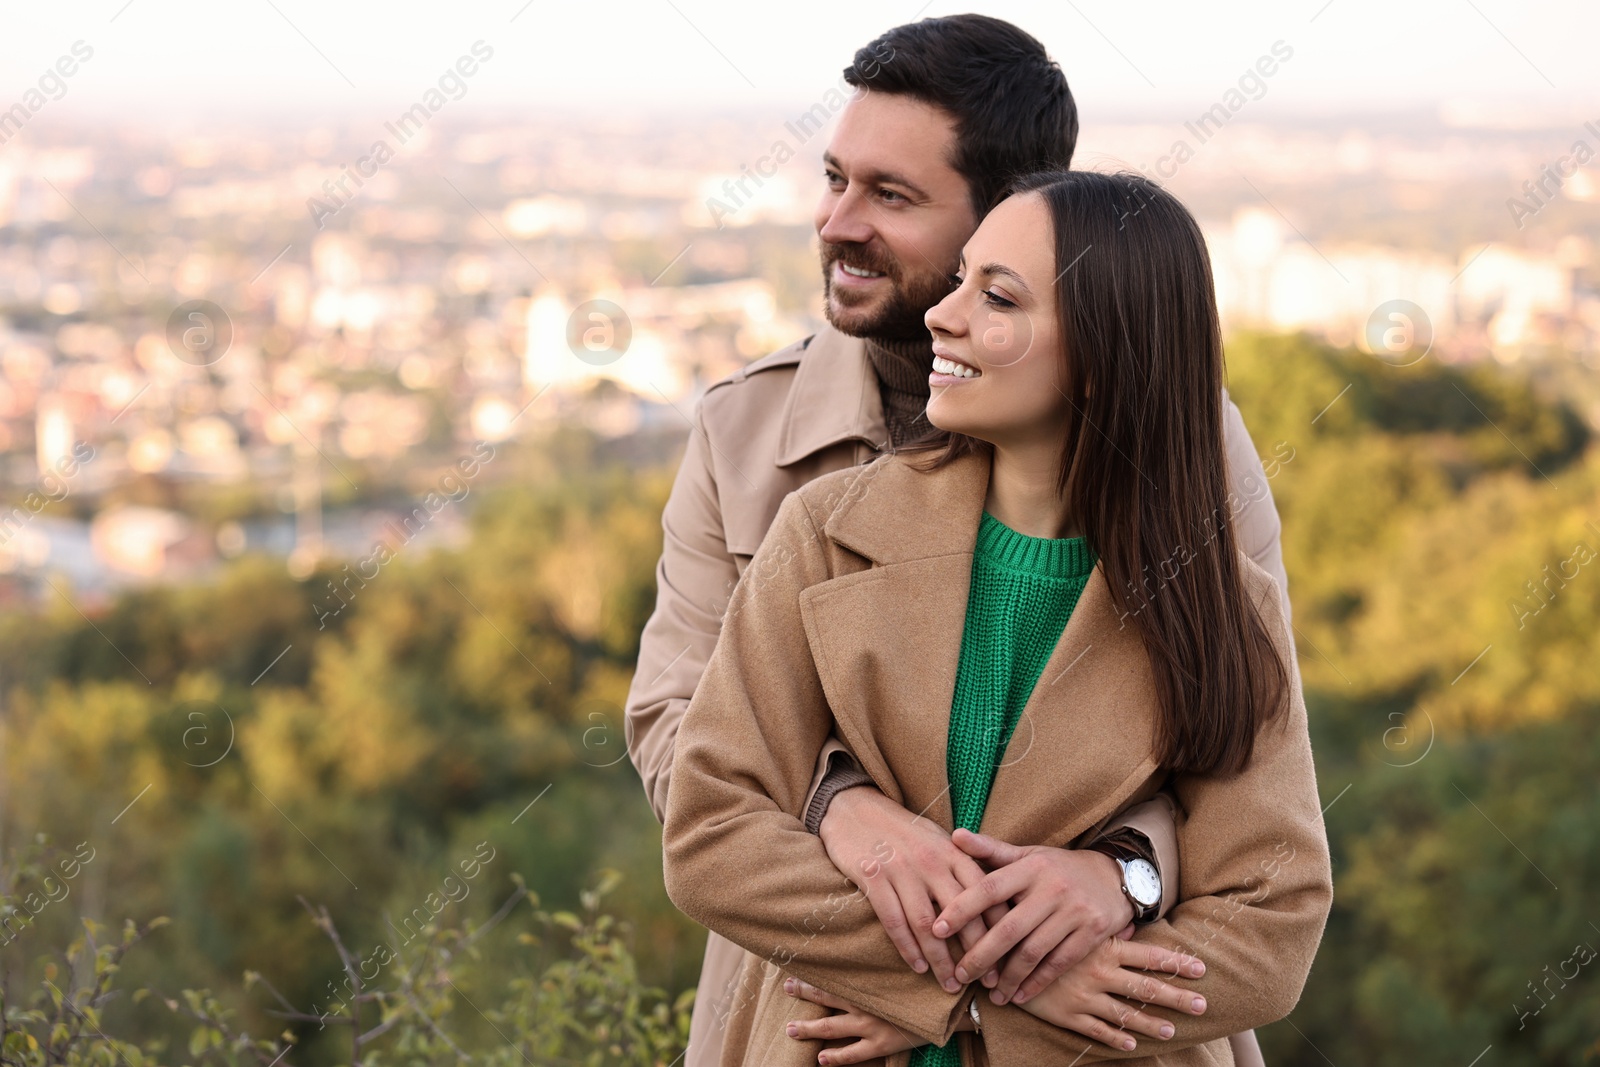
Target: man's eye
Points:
(890, 193)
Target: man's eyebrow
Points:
(880, 177)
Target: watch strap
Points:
(1123, 853)
(1134, 841)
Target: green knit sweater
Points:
(1023, 591)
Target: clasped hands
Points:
(1046, 929)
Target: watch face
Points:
(1144, 882)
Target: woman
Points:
(1027, 626)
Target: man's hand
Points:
(909, 869)
(871, 1037)
(1064, 902)
(1084, 999)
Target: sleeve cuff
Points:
(842, 774)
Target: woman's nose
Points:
(943, 318)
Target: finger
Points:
(1145, 989)
(971, 934)
(1096, 1029)
(827, 1028)
(1034, 954)
(1013, 930)
(992, 919)
(1147, 957)
(950, 890)
(965, 870)
(859, 1052)
(965, 874)
(892, 917)
(1125, 933)
(920, 916)
(995, 914)
(1067, 954)
(803, 990)
(991, 849)
(1131, 1019)
(996, 887)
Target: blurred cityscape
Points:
(302, 330)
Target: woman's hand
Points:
(1084, 999)
(1063, 903)
(907, 867)
(875, 1038)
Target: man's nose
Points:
(848, 222)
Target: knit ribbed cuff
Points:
(842, 774)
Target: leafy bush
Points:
(582, 1003)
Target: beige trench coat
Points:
(758, 434)
(848, 623)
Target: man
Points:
(946, 110)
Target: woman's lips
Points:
(948, 371)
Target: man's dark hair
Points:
(1013, 111)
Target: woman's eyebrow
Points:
(1005, 271)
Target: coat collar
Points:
(834, 397)
(935, 513)
(887, 640)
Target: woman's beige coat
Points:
(849, 619)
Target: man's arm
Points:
(694, 579)
(1156, 820)
(739, 858)
(1255, 516)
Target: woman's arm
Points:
(738, 856)
(1257, 887)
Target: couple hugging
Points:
(969, 702)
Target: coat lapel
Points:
(887, 640)
(834, 397)
(1084, 745)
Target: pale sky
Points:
(166, 59)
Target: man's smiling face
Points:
(893, 217)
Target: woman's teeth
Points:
(950, 366)
(857, 272)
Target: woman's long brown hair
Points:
(1143, 462)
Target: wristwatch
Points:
(1141, 879)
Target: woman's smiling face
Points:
(999, 328)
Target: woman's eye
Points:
(997, 300)
(955, 280)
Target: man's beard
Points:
(899, 318)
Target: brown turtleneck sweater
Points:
(902, 368)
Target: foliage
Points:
(221, 754)
(587, 1005)
(1450, 679)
